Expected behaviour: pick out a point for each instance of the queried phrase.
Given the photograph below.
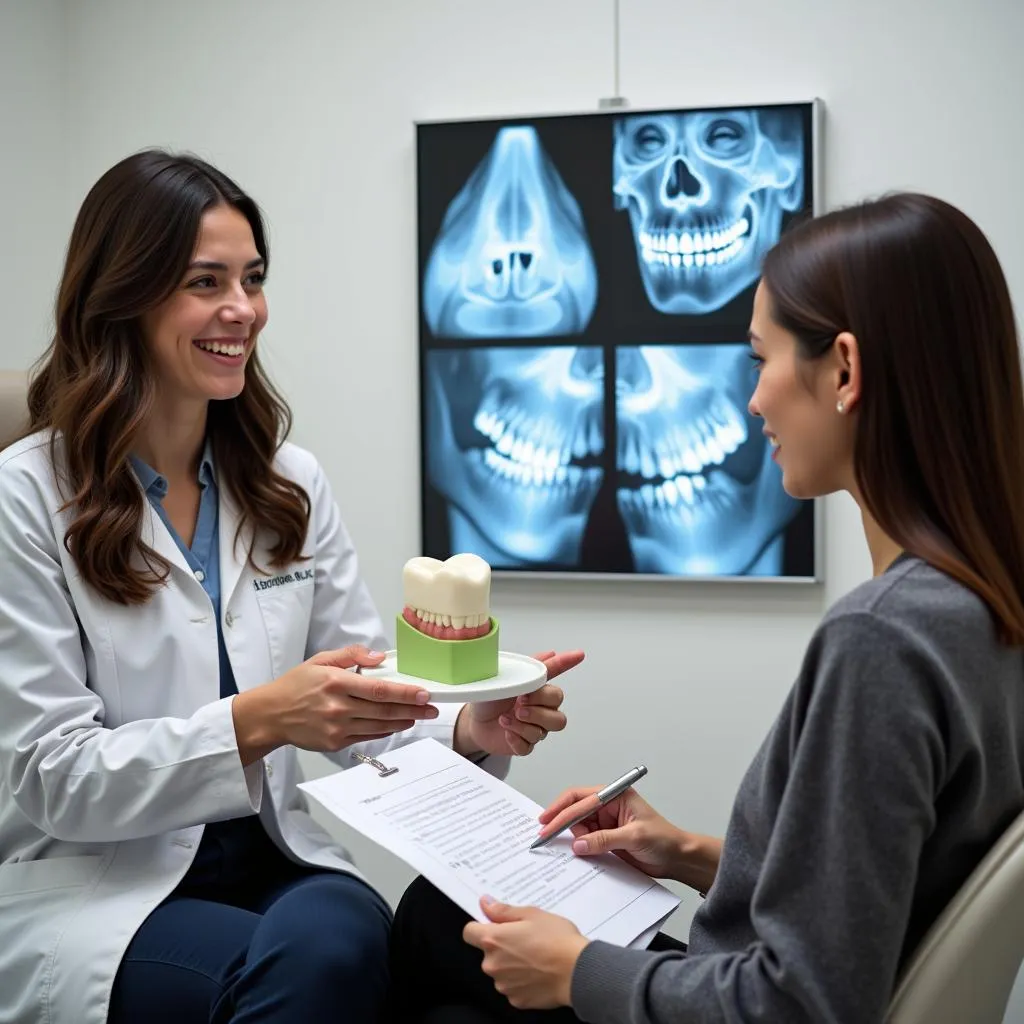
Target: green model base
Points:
(447, 661)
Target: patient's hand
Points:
(529, 953)
(631, 829)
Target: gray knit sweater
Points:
(896, 761)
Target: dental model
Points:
(446, 632)
(448, 600)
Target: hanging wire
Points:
(615, 37)
(615, 100)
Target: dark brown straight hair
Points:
(130, 247)
(939, 450)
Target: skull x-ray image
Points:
(706, 192)
(696, 484)
(512, 258)
(585, 282)
(514, 444)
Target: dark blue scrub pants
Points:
(275, 943)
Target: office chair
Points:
(13, 403)
(966, 966)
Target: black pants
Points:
(436, 976)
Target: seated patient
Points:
(180, 606)
(889, 368)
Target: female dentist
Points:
(180, 609)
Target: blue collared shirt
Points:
(230, 850)
(203, 556)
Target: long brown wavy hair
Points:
(132, 242)
(939, 448)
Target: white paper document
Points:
(470, 834)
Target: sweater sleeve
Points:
(856, 760)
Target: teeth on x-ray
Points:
(538, 450)
(696, 488)
(533, 445)
(693, 429)
(705, 441)
(696, 249)
(515, 440)
(512, 257)
(705, 192)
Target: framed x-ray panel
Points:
(585, 285)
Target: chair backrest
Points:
(965, 968)
(13, 403)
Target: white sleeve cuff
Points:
(441, 728)
(249, 777)
(254, 784)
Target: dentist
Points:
(180, 609)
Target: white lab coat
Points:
(115, 745)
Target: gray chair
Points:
(965, 968)
(13, 403)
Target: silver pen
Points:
(610, 792)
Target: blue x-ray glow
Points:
(512, 258)
(697, 488)
(514, 437)
(705, 191)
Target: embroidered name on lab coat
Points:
(285, 580)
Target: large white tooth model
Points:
(446, 632)
(448, 600)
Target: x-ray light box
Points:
(585, 290)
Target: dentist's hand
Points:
(321, 705)
(517, 724)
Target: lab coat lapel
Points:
(233, 552)
(154, 533)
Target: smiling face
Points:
(202, 337)
(797, 399)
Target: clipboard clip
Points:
(383, 770)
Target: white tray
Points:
(517, 674)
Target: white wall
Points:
(310, 105)
(33, 166)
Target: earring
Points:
(839, 406)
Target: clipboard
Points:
(470, 834)
(382, 769)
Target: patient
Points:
(889, 368)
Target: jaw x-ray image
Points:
(514, 440)
(512, 258)
(706, 192)
(696, 485)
